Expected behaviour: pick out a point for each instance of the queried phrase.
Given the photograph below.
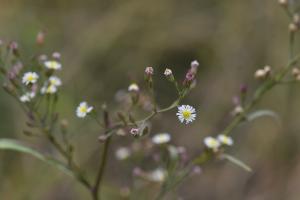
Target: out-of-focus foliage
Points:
(107, 44)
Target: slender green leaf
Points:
(14, 145)
(237, 162)
(263, 113)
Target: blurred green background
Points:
(106, 45)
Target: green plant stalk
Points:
(97, 185)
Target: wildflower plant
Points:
(36, 88)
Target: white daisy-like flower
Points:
(158, 175)
(54, 80)
(52, 64)
(212, 143)
(48, 89)
(168, 72)
(225, 140)
(186, 113)
(133, 87)
(122, 153)
(83, 109)
(30, 77)
(27, 97)
(161, 138)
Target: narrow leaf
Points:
(237, 162)
(263, 113)
(14, 145)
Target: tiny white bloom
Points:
(27, 97)
(30, 77)
(133, 87)
(52, 64)
(51, 89)
(54, 80)
(83, 109)
(225, 140)
(158, 175)
(161, 138)
(168, 72)
(212, 143)
(186, 113)
(122, 153)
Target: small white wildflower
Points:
(83, 109)
(30, 77)
(168, 72)
(186, 113)
(27, 97)
(52, 64)
(161, 138)
(212, 143)
(158, 175)
(225, 140)
(122, 153)
(54, 80)
(51, 89)
(194, 63)
(259, 74)
(133, 87)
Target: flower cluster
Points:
(216, 143)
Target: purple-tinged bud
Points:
(196, 170)
(40, 38)
(134, 131)
(137, 171)
(243, 89)
(14, 47)
(149, 71)
(56, 55)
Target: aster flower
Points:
(54, 80)
(27, 97)
(186, 114)
(30, 78)
(212, 143)
(52, 64)
(83, 109)
(161, 138)
(223, 139)
(158, 175)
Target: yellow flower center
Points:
(186, 114)
(83, 109)
(30, 78)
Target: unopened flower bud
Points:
(133, 88)
(64, 125)
(293, 27)
(169, 74)
(40, 38)
(243, 89)
(194, 64)
(14, 47)
(56, 55)
(134, 131)
(149, 71)
(43, 58)
(259, 74)
(283, 2)
(102, 138)
(267, 70)
(238, 110)
(295, 71)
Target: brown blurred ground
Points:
(107, 44)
